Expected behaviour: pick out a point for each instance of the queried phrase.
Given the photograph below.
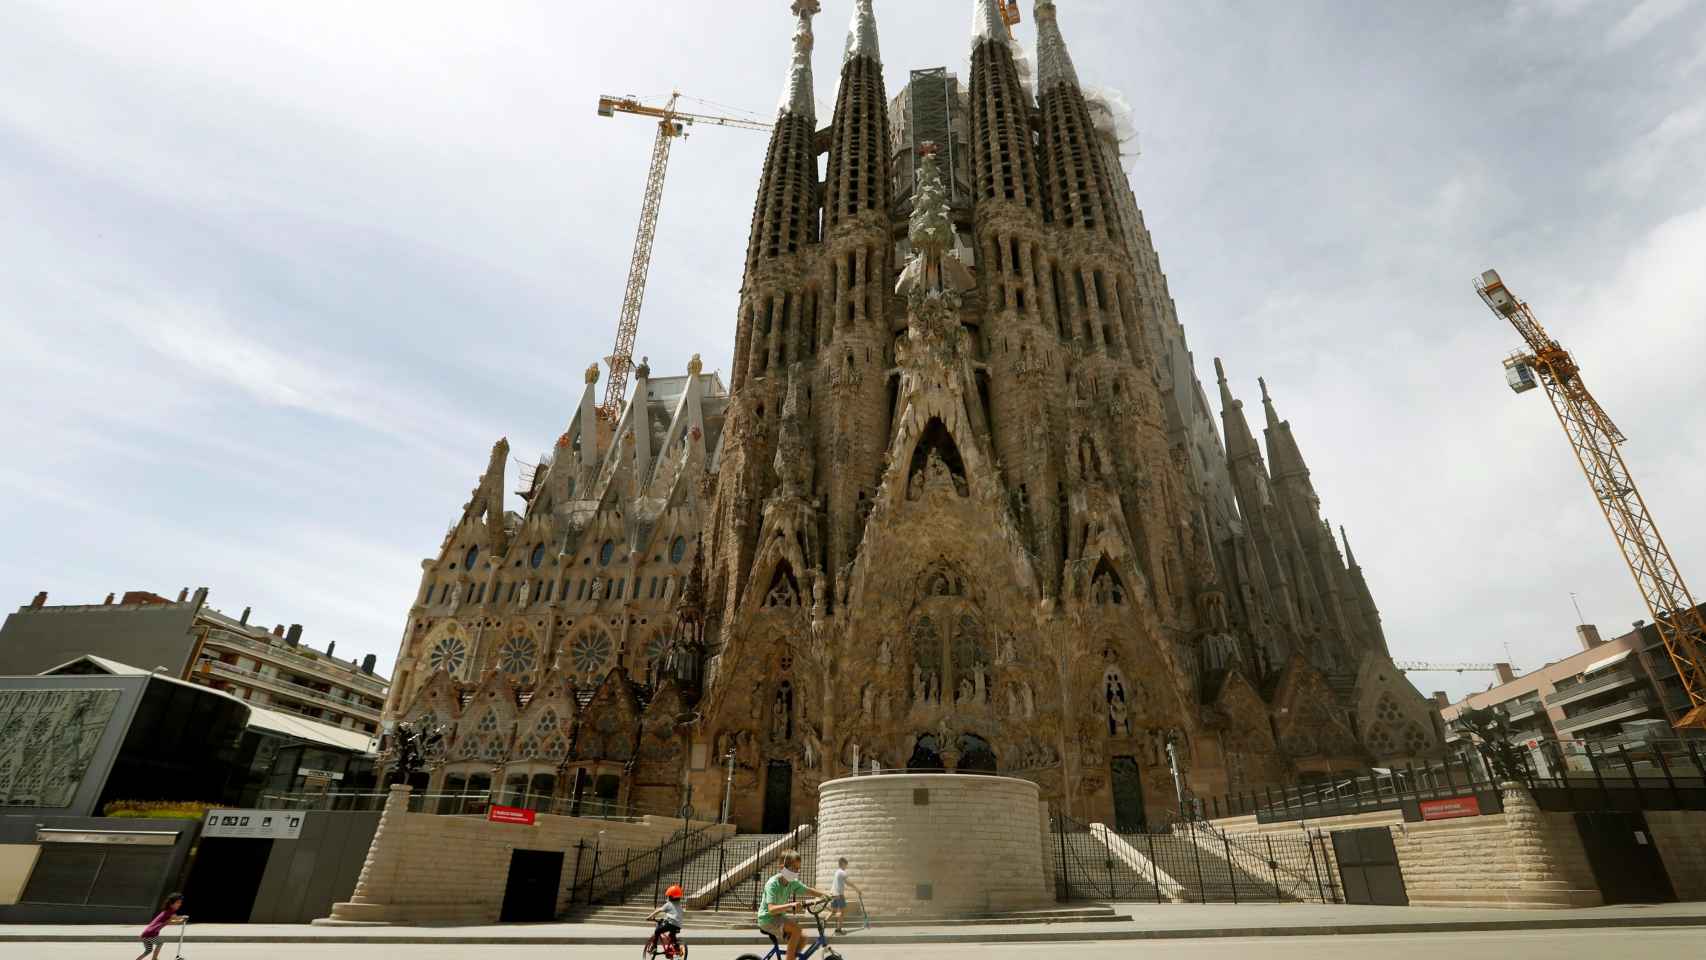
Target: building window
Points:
(444, 593)
(652, 591)
(606, 553)
(538, 556)
(469, 558)
(678, 549)
(512, 587)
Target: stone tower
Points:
(964, 506)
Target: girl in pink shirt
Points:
(151, 939)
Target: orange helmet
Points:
(674, 892)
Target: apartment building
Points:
(189, 640)
(1611, 692)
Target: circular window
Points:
(538, 556)
(591, 649)
(606, 553)
(654, 648)
(469, 558)
(518, 655)
(449, 654)
(678, 549)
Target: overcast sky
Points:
(274, 276)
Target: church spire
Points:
(1350, 558)
(1054, 63)
(1240, 442)
(1004, 160)
(797, 95)
(1285, 459)
(862, 34)
(857, 179)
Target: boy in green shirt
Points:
(782, 896)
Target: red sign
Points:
(519, 815)
(1451, 809)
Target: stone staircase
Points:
(722, 877)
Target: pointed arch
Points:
(784, 589)
(936, 461)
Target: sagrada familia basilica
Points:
(963, 505)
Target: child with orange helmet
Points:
(666, 939)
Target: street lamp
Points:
(728, 785)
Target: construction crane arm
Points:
(672, 123)
(1596, 442)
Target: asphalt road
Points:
(1525, 945)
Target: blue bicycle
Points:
(778, 950)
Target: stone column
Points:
(1542, 877)
(376, 888)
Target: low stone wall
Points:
(1521, 858)
(1681, 838)
(427, 869)
(936, 844)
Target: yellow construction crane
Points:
(1595, 440)
(672, 123)
(1009, 13)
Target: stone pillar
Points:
(1543, 877)
(377, 885)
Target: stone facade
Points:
(1520, 858)
(936, 844)
(427, 869)
(964, 510)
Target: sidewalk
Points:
(1149, 922)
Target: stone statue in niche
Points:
(1119, 712)
(1014, 710)
(595, 592)
(966, 691)
(812, 749)
(920, 689)
(939, 585)
(526, 589)
(935, 688)
(818, 595)
(885, 652)
(782, 714)
(1030, 701)
(868, 700)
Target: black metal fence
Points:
(1193, 863)
(1628, 774)
(697, 861)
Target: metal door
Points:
(1368, 867)
(1128, 795)
(1625, 862)
(778, 797)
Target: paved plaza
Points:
(1516, 945)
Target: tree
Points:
(413, 747)
(1490, 728)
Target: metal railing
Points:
(298, 658)
(1608, 680)
(450, 804)
(1642, 702)
(716, 868)
(1191, 863)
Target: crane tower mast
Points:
(1596, 440)
(672, 123)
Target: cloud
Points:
(1643, 19)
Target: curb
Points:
(1073, 936)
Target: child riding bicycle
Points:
(666, 938)
(782, 896)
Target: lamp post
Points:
(728, 785)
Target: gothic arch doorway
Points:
(976, 756)
(1127, 782)
(926, 755)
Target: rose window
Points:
(518, 654)
(449, 654)
(590, 651)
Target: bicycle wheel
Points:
(749, 956)
(649, 949)
(682, 955)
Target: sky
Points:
(275, 275)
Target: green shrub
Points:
(166, 809)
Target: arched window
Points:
(678, 549)
(606, 553)
(538, 556)
(469, 558)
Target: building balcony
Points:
(1609, 680)
(285, 688)
(1523, 710)
(1625, 709)
(287, 656)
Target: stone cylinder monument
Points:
(935, 844)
